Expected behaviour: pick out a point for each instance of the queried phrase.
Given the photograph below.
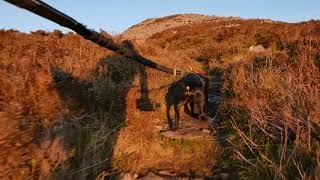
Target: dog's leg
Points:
(187, 102)
(187, 108)
(192, 105)
(202, 111)
(170, 122)
(177, 116)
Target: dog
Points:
(191, 92)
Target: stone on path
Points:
(190, 129)
(257, 49)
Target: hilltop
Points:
(149, 27)
(71, 109)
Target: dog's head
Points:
(193, 91)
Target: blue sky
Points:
(118, 15)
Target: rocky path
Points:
(192, 129)
(211, 130)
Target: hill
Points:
(72, 109)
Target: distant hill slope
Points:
(149, 27)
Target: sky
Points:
(115, 16)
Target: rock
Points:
(231, 25)
(257, 49)
(206, 131)
(166, 173)
(153, 176)
(158, 128)
(184, 178)
(213, 99)
(224, 176)
(18, 144)
(128, 176)
(217, 171)
(212, 120)
(190, 129)
(198, 178)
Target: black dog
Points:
(190, 91)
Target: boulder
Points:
(257, 49)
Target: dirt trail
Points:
(192, 130)
(191, 152)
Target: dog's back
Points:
(177, 90)
(176, 93)
(180, 92)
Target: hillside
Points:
(70, 109)
(147, 28)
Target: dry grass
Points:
(272, 105)
(63, 100)
(89, 94)
(32, 139)
(270, 100)
(281, 102)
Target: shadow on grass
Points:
(100, 113)
(215, 94)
